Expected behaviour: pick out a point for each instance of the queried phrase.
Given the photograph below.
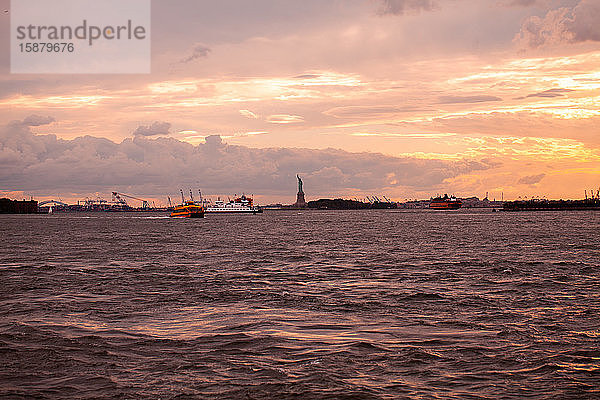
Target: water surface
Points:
(301, 304)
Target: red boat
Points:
(445, 203)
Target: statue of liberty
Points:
(300, 201)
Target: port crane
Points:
(118, 198)
(592, 195)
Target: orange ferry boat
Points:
(445, 203)
(188, 209)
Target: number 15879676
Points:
(43, 47)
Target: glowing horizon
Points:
(484, 96)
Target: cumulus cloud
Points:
(37, 120)
(157, 128)
(584, 24)
(531, 179)
(213, 141)
(401, 7)
(552, 29)
(198, 51)
(142, 165)
(563, 25)
(467, 99)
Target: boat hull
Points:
(233, 211)
(445, 206)
(187, 215)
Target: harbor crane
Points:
(118, 198)
(593, 196)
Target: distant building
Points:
(467, 202)
(8, 206)
(474, 202)
(300, 201)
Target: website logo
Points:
(80, 36)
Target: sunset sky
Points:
(403, 98)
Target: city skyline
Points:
(401, 98)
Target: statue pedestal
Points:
(300, 202)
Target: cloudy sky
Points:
(405, 98)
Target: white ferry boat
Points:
(241, 204)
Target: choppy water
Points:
(288, 304)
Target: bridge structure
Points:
(51, 202)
